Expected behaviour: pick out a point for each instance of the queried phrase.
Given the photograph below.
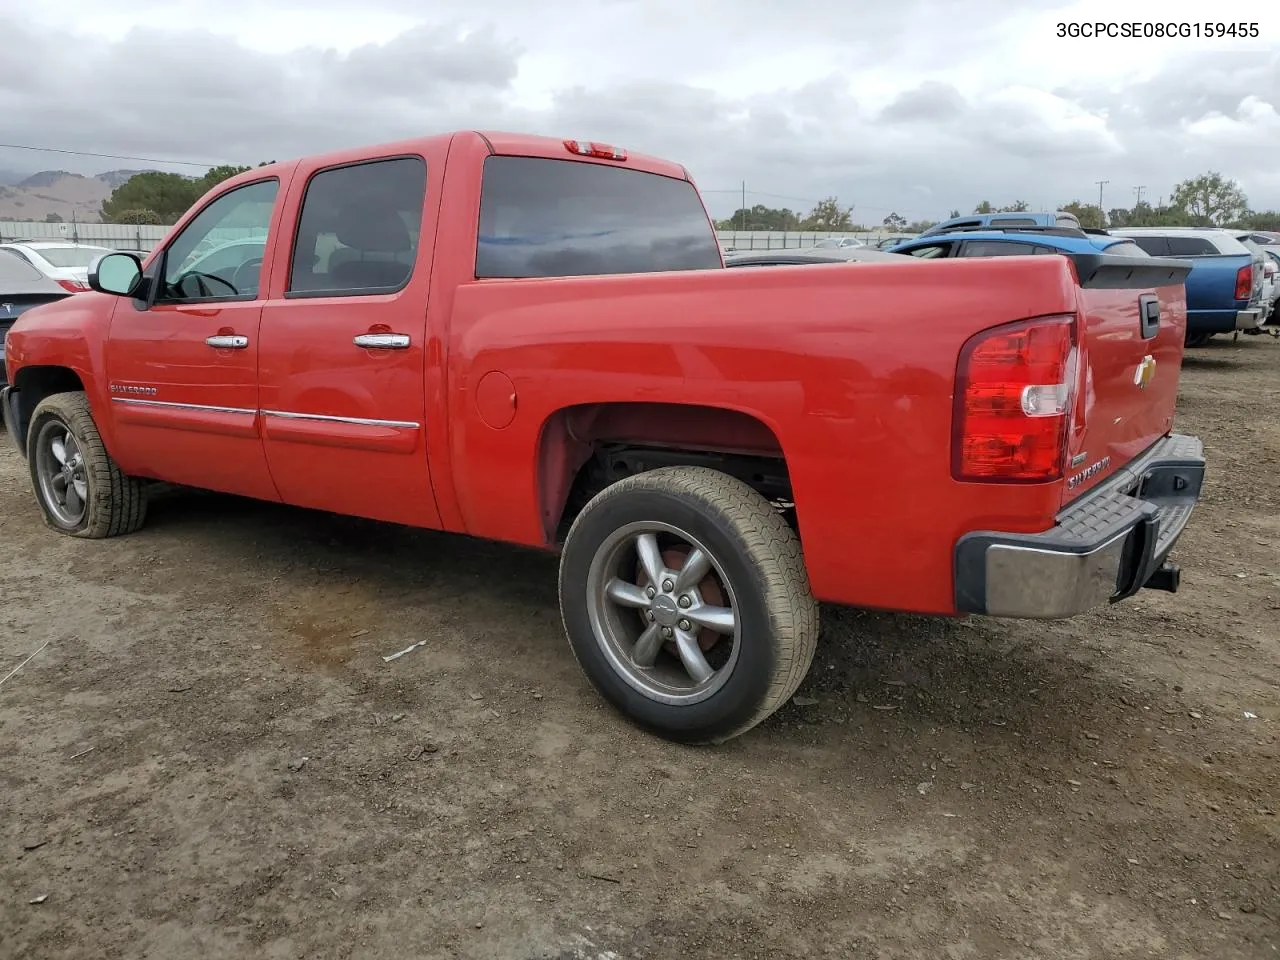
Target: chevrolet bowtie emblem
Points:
(1145, 373)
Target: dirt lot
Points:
(211, 757)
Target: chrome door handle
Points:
(228, 342)
(382, 341)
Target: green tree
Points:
(984, 207)
(166, 195)
(895, 222)
(53, 218)
(1261, 220)
(920, 226)
(829, 215)
(144, 217)
(761, 217)
(1120, 217)
(1018, 206)
(1089, 214)
(1211, 199)
(953, 214)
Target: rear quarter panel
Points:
(852, 367)
(1211, 284)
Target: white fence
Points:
(124, 236)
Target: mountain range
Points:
(68, 195)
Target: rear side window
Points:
(564, 218)
(358, 231)
(1155, 246)
(13, 267)
(998, 248)
(1126, 249)
(1191, 247)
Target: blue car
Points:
(1017, 242)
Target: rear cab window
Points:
(1191, 247)
(569, 218)
(1002, 248)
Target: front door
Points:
(343, 355)
(183, 367)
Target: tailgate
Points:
(1133, 322)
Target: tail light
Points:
(1244, 282)
(589, 148)
(1014, 390)
(1269, 268)
(75, 286)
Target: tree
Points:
(829, 215)
(53, 218)
(895, 222)
(1089, 214)
(984, 207)
(761, 217)
(166, 195)
(953, 214)
(920, 226)
(144, 217)
(1211, 199)
(1261, 220)
(1018, 206)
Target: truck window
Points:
(191, 273)
(1191, 247)
(565, 218)
(358, 230)
(1013, 222)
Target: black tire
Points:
(114, 503)
(757, 555)
(1198, 339)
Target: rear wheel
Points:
(1198, 339)
(686, 601)
(80, 489)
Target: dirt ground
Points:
(212, 758)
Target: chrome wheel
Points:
(60, 469)
(663, 612)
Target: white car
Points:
(66, 263)
(838, 243)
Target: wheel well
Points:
(33, 384)
(585, 449)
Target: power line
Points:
(104, 156)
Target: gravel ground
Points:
(210, 757)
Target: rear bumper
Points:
(1249, 319)
(1106, 546)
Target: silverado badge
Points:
(1145, 373)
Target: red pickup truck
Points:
(535, 341)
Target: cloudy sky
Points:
(913, 106)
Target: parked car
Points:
(1224, 288)
(1016, 242)
(888, 242)
(802, 255)
(1272, 253)
(22, 287)
(1264, 237)
(837, 243)
(561, 360)
(977, 221)
(67, 264)
(1270, 282)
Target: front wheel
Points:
(80, 489)
(686, 601)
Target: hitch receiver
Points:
(1166, 578)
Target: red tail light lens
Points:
(589, 148)
(1014, 390)
(75, 286)
(1244, 282)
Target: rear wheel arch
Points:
(584, 449)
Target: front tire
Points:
(686, 602)
(80, 489)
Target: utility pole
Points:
(744, 205)
(1138, 190)
(1101, 184)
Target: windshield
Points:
(13, 267)
(70, 256)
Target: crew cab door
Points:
(343, 352)
(182, 364)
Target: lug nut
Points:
(667, 631)
(649, 614)
(668, 585)
(650, 592)
(685, 602)
(686, 625)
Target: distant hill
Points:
(69, 195)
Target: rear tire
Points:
(1198, 339)
(686, 602)
(80, 489)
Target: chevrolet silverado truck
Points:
(536, 341)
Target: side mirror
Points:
(116, 273)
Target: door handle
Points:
(228, 342)
(382, 341)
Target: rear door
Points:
(1134, 326)
(344, 348)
